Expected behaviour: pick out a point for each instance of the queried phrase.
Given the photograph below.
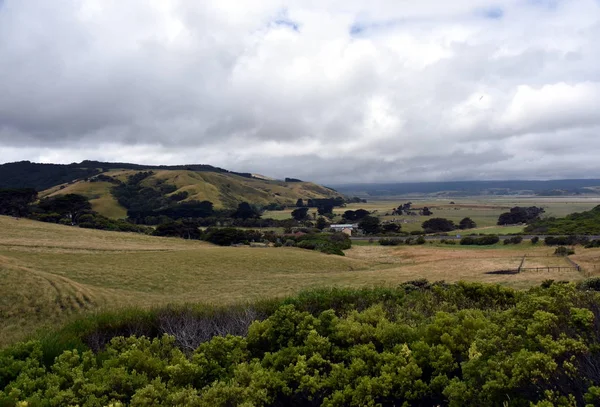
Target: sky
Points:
(331, 91)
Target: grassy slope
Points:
(50, 272)
(99, 194)
(223, 190)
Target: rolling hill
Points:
(565, 187)
(223, 189)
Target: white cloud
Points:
(327, 90)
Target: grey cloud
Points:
(416, 95)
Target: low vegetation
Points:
(418, 344)
(582, 223)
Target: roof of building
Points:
(342, 226)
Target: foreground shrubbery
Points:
(420, 344)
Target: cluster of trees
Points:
(435, 225)
(565, 240)
(329, 243)
(469, 344)
(76, 210)
(583, 223)
(324, 205)
(355, 216)
(147, 204)
(16, 201)
(441, 225)
(520, 214)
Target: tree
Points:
(361, 213)
(300, 214)
(70, 206)
(391, 228)
(352, 216)
(15, 202)
(181, 228)
(321, 223)
(299, 203)
(435, 225)
(246, 211)
(325, 209)
(426, 211)
(467, 223)
(520, 214)
(370, 225)
(349, 216)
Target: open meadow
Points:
(50, 272)
(483, 210)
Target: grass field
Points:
(50, 273)
(483, 210)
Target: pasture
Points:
(51, 273)
(483, 210)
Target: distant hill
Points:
(472, 188)
(197, 182)
(25, 174)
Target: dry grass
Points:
(97, 192)
(223, 190)
(50, 272)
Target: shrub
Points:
(563, 251)
(479, 241)
(391, 242)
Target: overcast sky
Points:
(325, 90)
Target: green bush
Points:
(563, 251)
(391, 241)
(418, 344)
(479, 241)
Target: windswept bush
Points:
(479, 241)
(328, 243)
(565, 240)
(391, 241)
(421, 344)
(229, 236)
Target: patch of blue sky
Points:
(287, 23)
(359, 28)
(492, 13)
(546, 4)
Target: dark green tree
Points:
(321, 223)
(299, 203)
(15, 202)
(435, 225)
(325, 209)
(69, 206)
(467, 223)
(391, 228)
(370, 225)
(246, 211)
(300, 214)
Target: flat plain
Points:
(51, 273)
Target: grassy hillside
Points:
(50, 272)
(224, 190)
(97, 192)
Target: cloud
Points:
(330, 90)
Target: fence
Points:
(550, 268)
(574, 267)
